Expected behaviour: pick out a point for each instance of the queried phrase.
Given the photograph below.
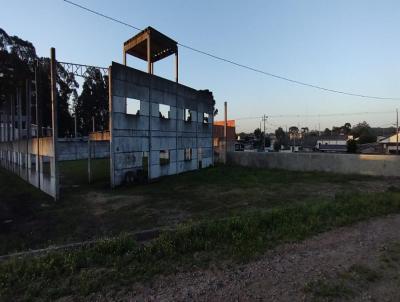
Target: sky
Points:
(350, 45)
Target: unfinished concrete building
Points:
(28, 150)
(157, 126)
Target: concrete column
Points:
(89, 160)
(19, 113)
(19, 124)
(110, 127)
(149, 54)
(12, 119)
(7, 120)
(6, 123)
(75, 126)
(37, 159)
(28, 120)
(37, 105)
(40, 173)
(54, 111)
(176, 66)
(2, 124)
(150, 105)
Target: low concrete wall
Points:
(378, 165)
(75, 149)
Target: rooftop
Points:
(161, 46)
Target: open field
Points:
(30, 219)
(230, 215)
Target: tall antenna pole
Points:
(264, 120)
(397, 131)
(225, 130)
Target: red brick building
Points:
(218, 136)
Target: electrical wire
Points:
(242, 65)
(312, 115)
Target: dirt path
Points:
(281, 274)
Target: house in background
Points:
(336, 143)
(389, 144)
(371, 148)
(308, 143)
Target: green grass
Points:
(91, 211)
(76, 172)
(114, 263)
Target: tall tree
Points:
(257, 133)
(93, 102)
(364, 133)
(346, 128)
(305, 130)
(327, 132)
(17, 64)
(280, 138)
(294, 131)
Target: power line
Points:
(239, 64)
(102, 15)
(313, 115)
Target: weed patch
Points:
(115, 261)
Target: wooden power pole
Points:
(225, 131)
(54, 113)
(397, 131)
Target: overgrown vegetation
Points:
(18, 61)
(116, 262)
(91, 211)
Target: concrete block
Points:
(118, 104)
(137, 92)
(155, 110)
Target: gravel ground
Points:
(281, 274)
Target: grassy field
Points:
(85, 211)
(112, 264)
(223, 213)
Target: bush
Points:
(352, 146)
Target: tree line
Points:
(362, 133)
(19, 62)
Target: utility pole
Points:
(225, 130)
(75, 125)
(264, 120)
(54, 113)
(37, 123)
(397, 131)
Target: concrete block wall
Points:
(375, 165)
(146, 134)
(76, 149)
(22, 158)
